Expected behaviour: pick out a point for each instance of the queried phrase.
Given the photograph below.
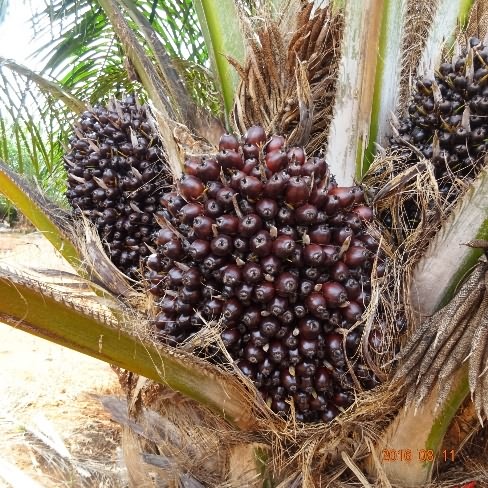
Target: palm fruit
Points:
(270, 247)
(115, 173)
(447, 121)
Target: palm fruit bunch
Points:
(447, 121)
(264, 244)
(115, 172)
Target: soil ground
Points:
(53, 429)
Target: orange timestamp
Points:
(422, 455)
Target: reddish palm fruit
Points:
(189, 212)
(247, 368)
(320, 234)
(212, 262)
(250, 151)
(188, 295)
(352, 312)
(266, 208)
(341, 234)
(296, 154)
(356, 256)
(250, 225)
(228, 142)
(208, 170)
(241, 245)
(317, 305)
(322, 379)
(339, 272)
(288, 381)
(353, 289)
(175, 275)
(353, 340)
(307, 348)
(173, 249)
(191, 278)
(358, 194)
(275, 186)
(227, 224)
(213, 209)
(271, 265)
(264, 292)
(278, 306)
(213, 308)
(343, 399)
(334, 350)
(333, 205)
(313, 255)
(287, 317)
(276, 160)
(221, 245)
(232, 310)
(306, 287)
(297, 191)
(257, 338)
(364, 212)
(213, 188)
(306, 214)
(252, 273)
(353, 221)
(286, 284)
(231, 338)
(231, 275)
(319, 197)
(255, 135)
(269, 326)
(229, 159)
(191, 187)
(261, 243)
(235, 179)
(199, 249)
(243, 292)
(266, 367)
(253, 354)
(202, 226)
(330, 413)
(251, 318)
(251, 187)
(283, 246)
(154, 262)
(285, 216)
(275, 143)
(173, 202)
(334, 293)
(309, 328)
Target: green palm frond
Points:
(88, 58)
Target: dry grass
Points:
(53, 428)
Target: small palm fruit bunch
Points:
(447, 121)
(115, 172)
(265, 244)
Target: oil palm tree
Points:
(334, 77)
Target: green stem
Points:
(388, 72)
(219, 20)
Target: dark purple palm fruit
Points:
(116, 171)
(446, 122)
(280, 256)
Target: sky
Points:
(16, 33)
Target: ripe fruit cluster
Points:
(447, 119)
(265, 242)
(115, 173)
